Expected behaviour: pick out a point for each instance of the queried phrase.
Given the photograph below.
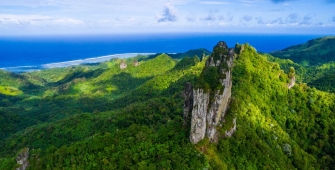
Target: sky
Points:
(33, 17)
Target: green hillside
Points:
(102, 117)
(313, 52)
(190, 53)
(320, 76)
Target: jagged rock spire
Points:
(210, 107)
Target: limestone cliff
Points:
(22, 159)
(291, 83)
(211, 96)
(188, 104)
(198, 116)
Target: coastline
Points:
(100, 59)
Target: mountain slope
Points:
(281, 126)
(314, 52)
(201, 52)
(145, 133)
(133, 119)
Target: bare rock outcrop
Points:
(199, 114)
(123, 65)
(291, 76)
(22, 159)
(135, 63)
(188, 102)
(230, 132)
(211, 105)
(291, 83)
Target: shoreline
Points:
(100, 59)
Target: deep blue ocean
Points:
(38, 50)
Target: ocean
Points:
(27, 53)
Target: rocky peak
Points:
(211, 97)
(123, 65)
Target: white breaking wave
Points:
(72, 63)
(22, 68)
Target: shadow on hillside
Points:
(124, 82)
(148, 93)
(56, 107)
(78, 74)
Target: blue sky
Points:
(30, 17)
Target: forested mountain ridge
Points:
(313, 52)
(102, 117)
(313, 62)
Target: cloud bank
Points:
(37, 20)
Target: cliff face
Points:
(22, 159)
(211, 104)
(188, 104)
(199, 115)
(291, 83)
(291, 76)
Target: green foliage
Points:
(102, 117)
(314, 52)
(8, 79)
(137, 125)
(12, 91)
(270, 118)
(218, 51)
(51, 75)
(291, 73)
(211, 77)
(190, 53)
(320, 77)
(325, 83)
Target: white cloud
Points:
(37, 20)
(146, 15)
(293, 18)
(169, 14)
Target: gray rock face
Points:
(22, 159)
(291, 83)
(206, 117)
(199, 113)
(217, 112)
(123, 65)
(230, 132)
(188, 104)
